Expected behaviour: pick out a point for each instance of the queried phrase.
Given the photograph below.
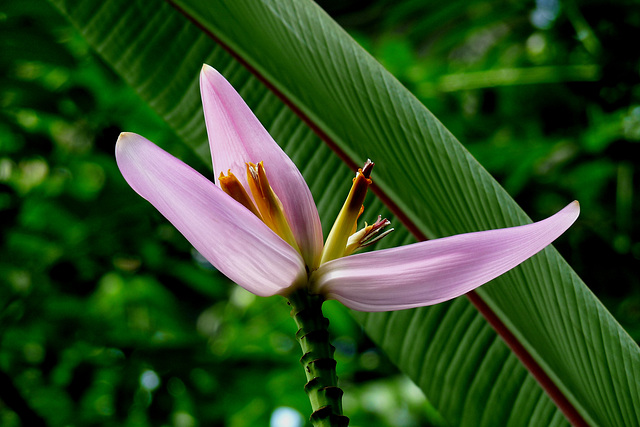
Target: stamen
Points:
(253, 169)
(336, 243)
(367, 168)
(233, 187)
(367, 236)
(269, 205)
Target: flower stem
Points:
(317, 360)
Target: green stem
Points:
(317, 360)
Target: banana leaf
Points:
(331, 106)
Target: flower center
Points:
(269, 207)
(343, 238)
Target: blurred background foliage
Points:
(108, 317)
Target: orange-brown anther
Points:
(268, 203)
(256, 190)
(233, 187)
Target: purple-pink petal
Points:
(236, 136)
(434, 271)
(233, 239)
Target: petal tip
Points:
(209, 73)
(125, 139)
(125, 136)
(574, 207)
(122, 138)
(129, 143)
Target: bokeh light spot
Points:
(149, 380)
(286, 417)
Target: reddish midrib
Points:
(520, 351)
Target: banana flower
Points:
(258, 224)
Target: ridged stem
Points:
(317, 360)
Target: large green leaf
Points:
(423, 173)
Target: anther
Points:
(367, 168)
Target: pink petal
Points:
(236, 136)
(233, 239)
(430, 272)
